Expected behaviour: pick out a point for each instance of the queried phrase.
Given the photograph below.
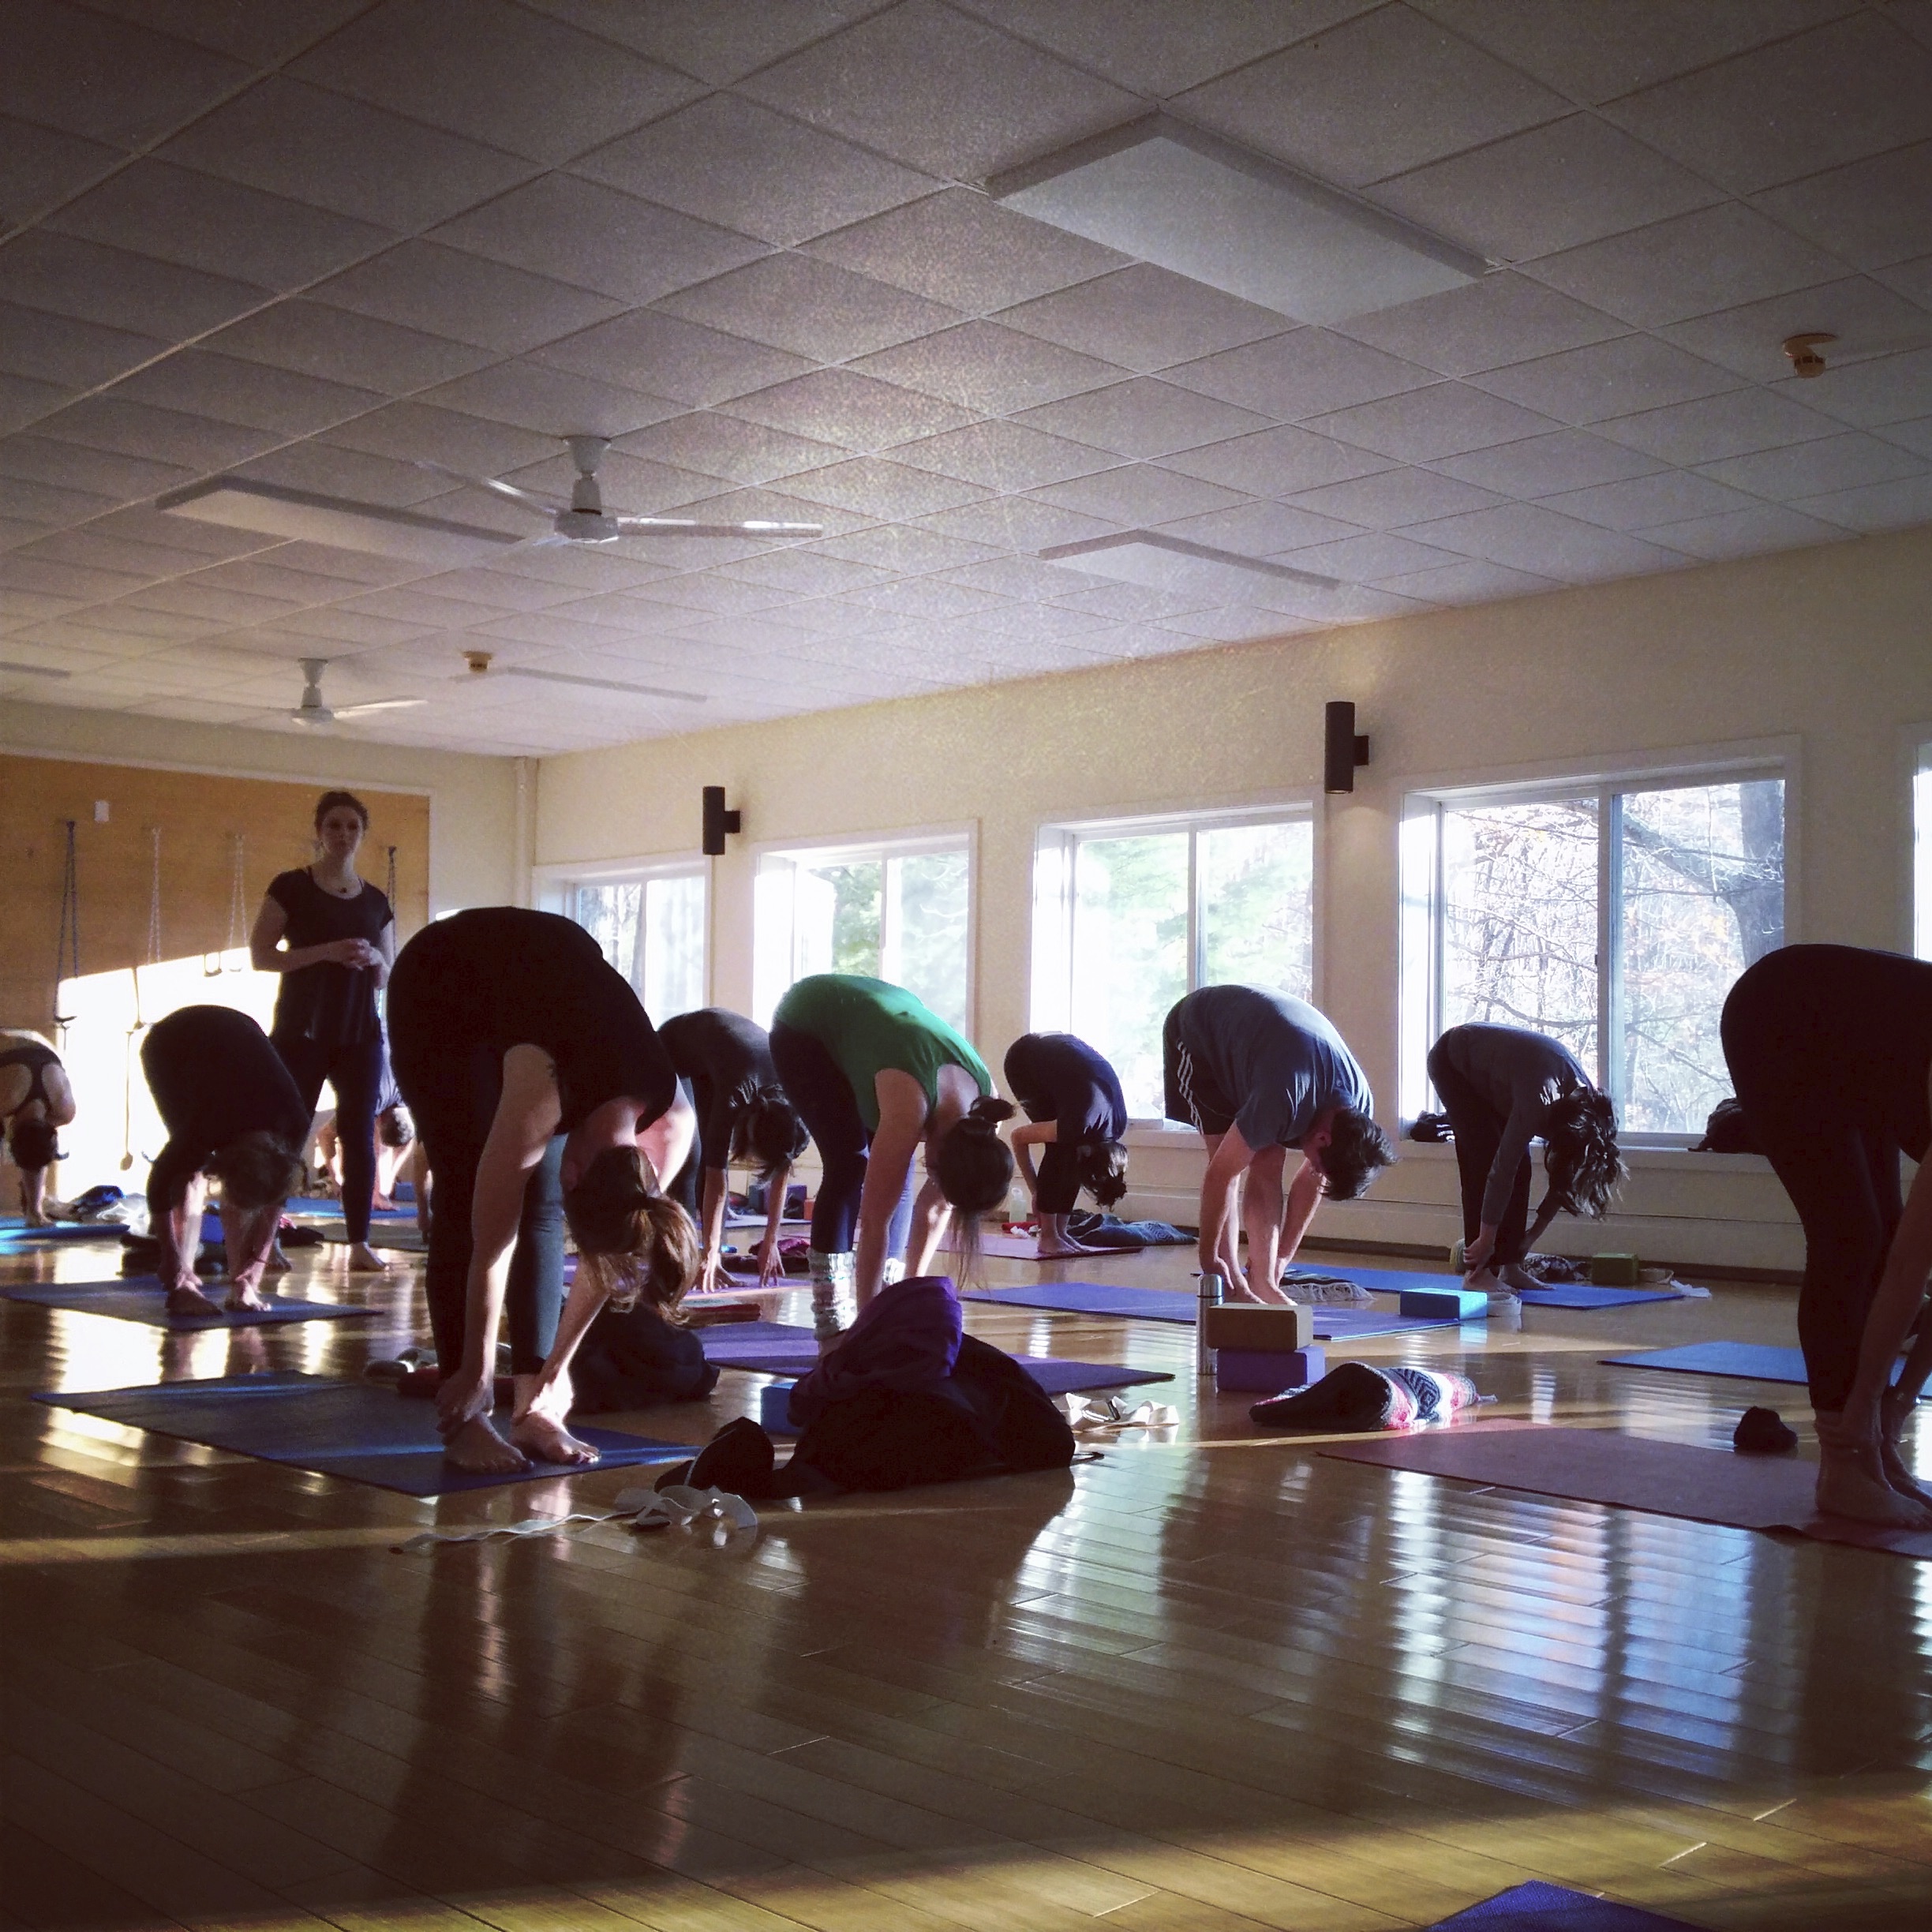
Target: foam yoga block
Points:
(1245, 1326)
(1459, 1304)
(775, 1408)
(1614, 1270)
(1268, 1372)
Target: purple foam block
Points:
(1268, 1372)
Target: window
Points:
(1614, 919)
(1128, 918)
(1922, 855)
(652, 929)
(901, 912)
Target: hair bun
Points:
(988, 1111)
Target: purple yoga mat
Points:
(775, 1349)
(1170, 1304)
(138, 1298)
(1540, 1907)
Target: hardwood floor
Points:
(1211, 1682)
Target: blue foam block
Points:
(1268, 1372)
(140, 1298)
(349, 1429)
(1540, 1907)
(1458, 1304)
(775, 1408)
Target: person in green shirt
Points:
(872, 1072)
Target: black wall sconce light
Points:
(717, 821)
(1343, 748)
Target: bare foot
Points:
(240, 1297)
(1849, 1485)
(547, 1440)
(1900, 1479)
(185, 1300)
(1265, 1296)
(1063, 1250)
(364, 1260)
(476, 1447)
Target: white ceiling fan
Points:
(314, 710)
(584, 519)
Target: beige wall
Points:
(1824, 655)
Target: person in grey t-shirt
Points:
(1502, 1087)
(1259, 1072)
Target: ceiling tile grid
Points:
(325, 247)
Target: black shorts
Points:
(1193, 1094)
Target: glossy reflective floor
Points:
(1211, 1682)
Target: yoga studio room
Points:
(967, 965)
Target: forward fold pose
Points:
(542, 1094)
(35, 1099)
(1075, 1111)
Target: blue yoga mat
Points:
(140, 1298)
(325, 1204)
(350, 1429)
(1582, 1295)
(1745, 1361)
(1540, 1907)
(1171, 1304)
(23, 1236)
(776, 1348)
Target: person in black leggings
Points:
(1830, 1051)
(230, 1110)
(542, 1095)
(332, 935)
(35, 1099)
(1075, 1111)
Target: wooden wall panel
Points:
(199, 816)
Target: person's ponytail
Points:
(639, 1244)
(974, 1168)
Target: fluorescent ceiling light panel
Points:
(1189, 569)
(591, 683)
(275, 511)
(1172, 195)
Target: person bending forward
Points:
(1830, 1051)
(541, 1094)
(1258, 1072)
(1076, 1112)
(231, 1109)
(873, 1071)
(35, 1099)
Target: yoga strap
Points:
(1110, 1414)
(678, 1506)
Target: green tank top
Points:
(868, 1025)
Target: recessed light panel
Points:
(275, 511)
(1187, 201)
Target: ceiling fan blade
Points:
(549, 505)
(689, 526)
(593, 684)
(378, 704)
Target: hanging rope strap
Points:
(67, 946)
(389, 890)
(238, 897)
(154, 923)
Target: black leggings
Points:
(817, 1088)
(356, 1072)
(1478, 1130)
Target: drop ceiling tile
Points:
(728, 161)
(307, 629)
(595, 237)
(1006, 457)
(927, 597)
(1867, 318)
(1234, 626)
(989, 370)
(1138, 495)
(1447, 420)
(1021, 523)
(1502, 319)
(959, 248)
(69, 465)
(552, 401)
(1714, 427)
(22, 400)
(807, 573)
(1103, 603)
(219, 226)
(1145, 417)
(1570, 459)
(1570, 181)
(1832, 465)
(1276, 462)
(67, 277)
(1849, 88)
(1528, 538)
(1896, 505)
(1370, 559)
(56, 349)
(847, 410)
(648, 350)
(1912, 436)
(503, 75)
(1300, 374)
(891, 493)
(313, 339)
(1640, 502)
(333, 472)
(111, 80)
(1376, 95)
(1763, 528)
(1471, 583)
(143, 524)
(1689, 266)
(249, 33)
(1144, 318)
(1614, 378)
(1874, 394)
(813, 307)
(904, 551)
(716, 445)
(1392, 498)
(941, 92)
(199, 383)
(192, 599)
(263, 577)
(1914, 16)
(418, 432)
(78, 583)
(671, 603)
(1872, 212)
(343, 154)
(40, 502)
(720, 45)
(39, 167)
(1260, 529)
(149, 562)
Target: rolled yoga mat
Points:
(1743, 1361)
(775, 1349)
(141, 1298)
(1026, 1248)
(1169, 1304)
(1540, 1907)
(348, 1429)
(1631, 1471)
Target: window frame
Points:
(1056, 847)
(1916, 940)
(554, 887)
(916, 842)
(1420, 927)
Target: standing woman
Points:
(35, 1098)
(332, 935)
(541, 1094)
(743, 1114)
(1830, 1050)
(1075, 1110)
(1502, 1087)
(873, 1071)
